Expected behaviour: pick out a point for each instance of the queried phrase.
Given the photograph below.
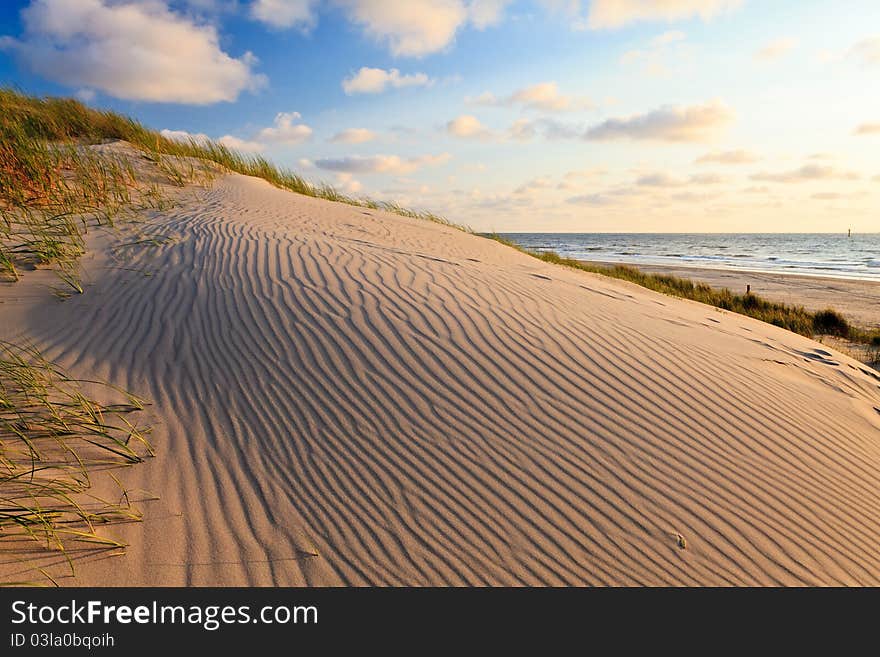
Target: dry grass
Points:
(53, 437)
(793, 318)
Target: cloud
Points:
(656, 56)
(285, 13)
(542, 96)
(728, 157)
(868, 51)
(468, 127)
(229, 141)
(707, 179)
(599, 199)
(242, 145)
(353, 136)
(285, 131)
(663, 179)
(806, 173)
(376, 80)
(546, 96)
(867, 129)
(381, 163)
(534, 185)
(131, 50)
(617, 13)
(184, 136)
(776, 49)
(667, 38)
(576, 179)
(659, 180)
(485, 13)
(673, 124)
(348, 184)
(522, 130)
(235, 143)
(413, 28)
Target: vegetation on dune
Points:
(52, 438)
(65, 120)
(793, 318)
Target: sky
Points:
(504, 115)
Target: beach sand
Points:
(343, 396)
(857, 300)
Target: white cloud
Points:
(242, 145)
(776, 49)
(707, 179)
(675, 124)
(131, 50)
(546, 96)
(229, 141)
(867, 129)
(285, 13)
(806, 173)
(522, 130)
(285, 131)
(576, 179)
(667, 38)
(347, 183)
(184, 136)
(663, 179)
(485, 13)
(381, 163)
(376, 80)
(656, 57)
(542, 96)
(86, 95)
(659, 180)
(868, 51)
(413, 28)
(353, 136)
(728, 157)
(617, 13)
(534, 185)
(468, 127)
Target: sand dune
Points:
(344, 396)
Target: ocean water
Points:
(810, 254)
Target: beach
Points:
(341, 395)
(857, 300)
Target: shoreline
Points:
(857, 300)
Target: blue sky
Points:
(545, 115)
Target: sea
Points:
(809, 254)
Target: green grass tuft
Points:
(793, 318)
(52, 437)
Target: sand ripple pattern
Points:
(350, 397)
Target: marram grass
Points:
(53, 436)
(793, 318)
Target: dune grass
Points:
(67, 120)
(53, 437)
(793, 318)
